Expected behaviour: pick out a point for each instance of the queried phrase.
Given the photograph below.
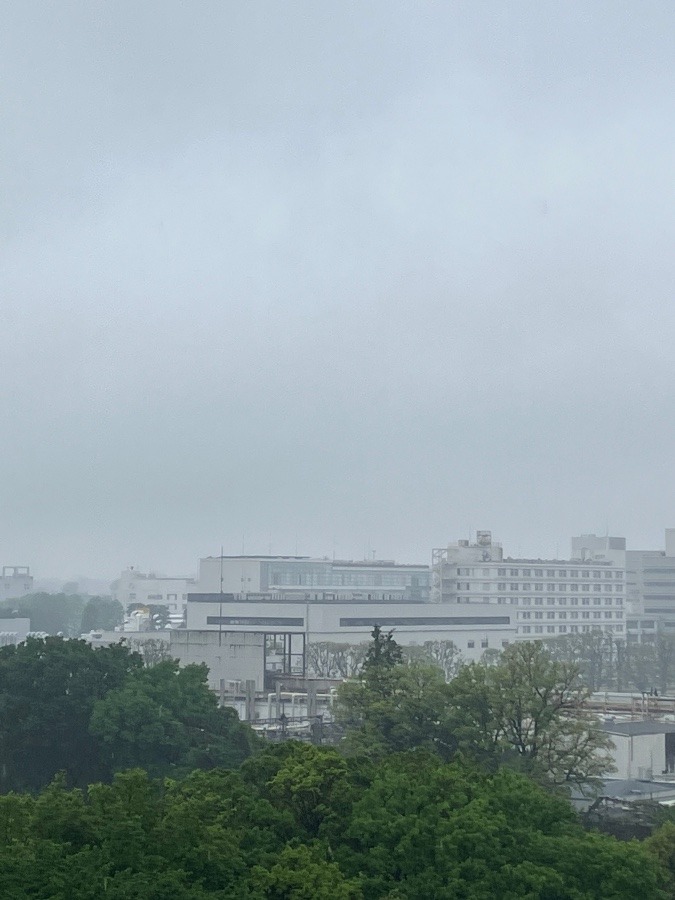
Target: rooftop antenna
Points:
(220, 615)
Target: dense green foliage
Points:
(65, 706)
(64, 614)
(522, 709)
(101, 613)
(304, 822)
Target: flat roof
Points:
(642, 727)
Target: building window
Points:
(484, 643)
(538, 601)
(562, 573)
(562, 629)
(585, 615)
(526, 573)
(608, 574)
(538, 629)
(550, 587)
(501, 586)
(562, 587)
(526, 629)
(574, 573)
(538, 573)
(574, 587)
(539, 615)
(585, 587)
(525, 615)
(470, 645)
(597, 574)
(539, 587)
(550, 615)
(514, 572)
(562, 615)
(550, 629)
(597, 587)
(550, 573)
(585, 573)
(608, 588)
(527, 587)
(513, 587)
(501, 571)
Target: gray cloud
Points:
(355, 277)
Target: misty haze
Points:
(337, 526)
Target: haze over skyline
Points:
(339, 278)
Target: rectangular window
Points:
(562, 629)
(608, 615)
(526, 629)
(562, 587)
(539, 587)
(538, 601)
(550, 573)
(484, 644)
(539, 615)
(585, 587)
(550, 615)
(585, 615)
(562, 573)
(538, 629)
(501, 586)
(574, 573)
(608, 588)
(597, 615)
(526, 573)
(562, 601)
(501, 571)
(550, 629)
(562, 615)
(470, 645)
(597, 587)
(513, 587)
(550, 587)
(527, 587)
(608, 574)
(585, 573)
(538, 573)
(574, 587)
(597, 574)
(514, 572)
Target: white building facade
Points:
(16, 582)
(133, 588)
(302, 577)
(546, 598)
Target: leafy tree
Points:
(166, 720)
(50, 613)
(102, 613)
(383, 652)
(392, 706)
(48, 689)
(326, 659)
(444, 654)
(528, 709)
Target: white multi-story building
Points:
(304, 578)
(134, 589)
(548, 598)
(16, 582)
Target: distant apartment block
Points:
(134, 589)
(16, 582)
(548, 597)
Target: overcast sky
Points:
(335, 277)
